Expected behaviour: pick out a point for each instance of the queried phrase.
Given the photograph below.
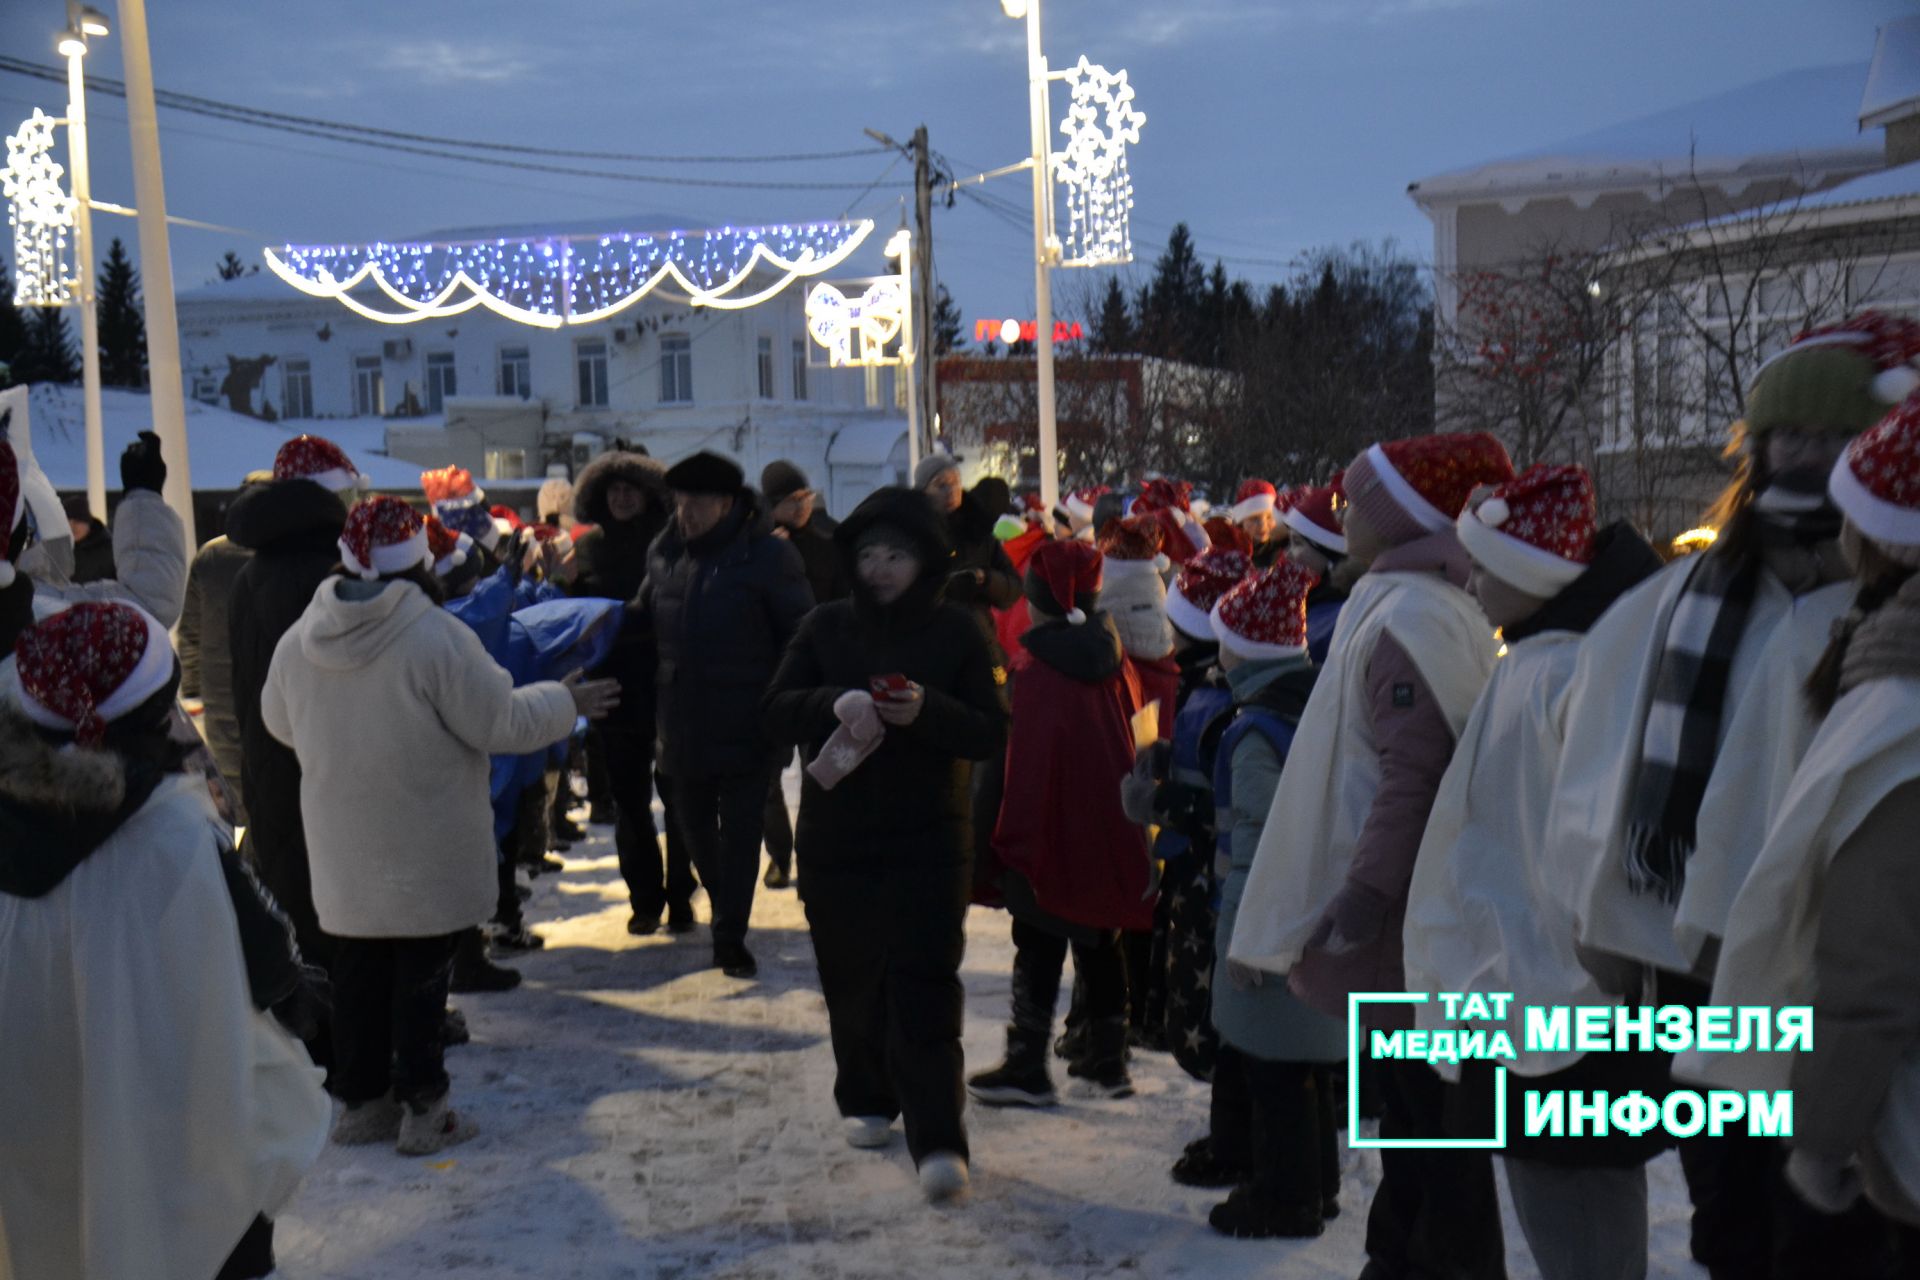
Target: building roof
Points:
(867, 443)
(222, 446)
(1801, 122)
(1893, 84)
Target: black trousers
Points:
(720, 819)
(1436, 1214)
(252, 1258)
(594, 755)
(389, 1001)
(1039, 959)
(889, 939)
(1277, 1120)
(653, 885)
(777, 832)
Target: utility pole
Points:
(927, 360)
(74, 45)
(1043, 251)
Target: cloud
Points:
(438, 62)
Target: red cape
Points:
(1060, 824)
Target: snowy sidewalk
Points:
(643, 1116)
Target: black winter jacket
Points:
(293, 529)
(723, 608)
(910, 798)
(975, 549)
(826, 575)
(612, 556)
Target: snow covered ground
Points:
(643, 1116)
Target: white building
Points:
(515, 402)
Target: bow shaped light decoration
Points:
(875, 316)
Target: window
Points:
(369, 388)
(506, 464)
(676, 368)
(799, 368)
(206, 388)
(873, 386)
(764, 364)
(440, 382)
(516, 370)
(296, 398)
(590, 369)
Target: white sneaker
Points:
(943, 1177)
(368, 1122)
(436, 1128)
(867, 1132)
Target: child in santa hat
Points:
(1681, 736)
(1827, 915)
(1316, 541)
(1483, 914)
(1074, 870)
(1257, 509)
(392, 707)
(1326, 895)
(157, 1112)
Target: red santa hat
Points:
(90, 664)
(1253, 497)
(1876, 482)
(448, 549)
(1534, 532)
(1265, 616)
(1890, 342)
(1407, 489)
(1081, 502)
(13, 506)
(319, 460)
(1222, 532)
(555, 534)
(1202, 581)
(383, 536)
(1311, 515)
(1063, 578)
(1131, 544)
(451, 488)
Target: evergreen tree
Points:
(231, 267)
(949, 332)
(1173, 301)
(1113, 328)
(123, 333)
(13, 327)
(49, 355)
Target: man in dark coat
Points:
(203, 642)
(725, 596)
(791, 502)
(886, 852)
(623, 495)
(292, 526)
(92, 543)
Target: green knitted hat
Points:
(1829, 389)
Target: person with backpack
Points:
(1484, 914)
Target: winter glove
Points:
(1137, 791)
(1352, 920)
(1829, 1185)
(859, 734)
(964, 584)
(141, 466)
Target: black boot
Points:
(1072, 1043)
(1022, 1079)
(1104, 1065)
(1246, 1215)
(1201, 1166)
(473, 971)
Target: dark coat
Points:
(827, 571)
(912, 797)
(93, 555)
(723, 607)
(293, 529)
(975, 549)
(612, 556)
(204, 642)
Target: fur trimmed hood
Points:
(58, 806)
(637, 469)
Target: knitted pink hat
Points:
(1535, 531)
(383, 536)
(1265, 616)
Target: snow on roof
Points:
(1893, 85)
(222, 446)
(1887, 184)
(868, 443)
(1805, 119)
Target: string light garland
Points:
(553, 281)
(1101, 121)
(41, 214)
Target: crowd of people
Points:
(1424, 726)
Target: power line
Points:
(331, 132)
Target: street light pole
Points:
(73, 44)
(1042, 250)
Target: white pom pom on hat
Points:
(1892, 385)
(1076, 616)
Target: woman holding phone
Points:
(892, 695)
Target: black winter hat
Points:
(781, 479)
(706, 472)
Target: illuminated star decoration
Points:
(1101, 121)
(552, 281)
(41, 215)
(876, 316)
